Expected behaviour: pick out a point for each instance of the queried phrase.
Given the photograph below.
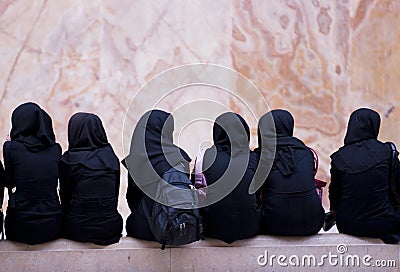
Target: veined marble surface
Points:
(320, 59)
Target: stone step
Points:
(322, 252)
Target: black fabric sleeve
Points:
(335, 188)
(9, 181)
(117, 184)
(65, 175)
(2, 183)
(394, 177)
(133, 193)
(395, 196)
(397, 177)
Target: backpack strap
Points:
(163, 240)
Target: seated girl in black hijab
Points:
(152, 154)
(358, 191)
(89, 183)
(289, 202)
(229, 162)
(31, 164)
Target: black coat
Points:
(290, 204)
(359, 190)
(362, 202)
(136, 224)
(90, 200)
(34, 213)
(235, 216)
(31, 164)
(2, 185)
(89, 183)
(152, 154)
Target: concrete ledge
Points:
(262, 253)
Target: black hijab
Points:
(228, 159)
(361, 149)
(152, 150)
(239, 133)
(281, 130)
(32, 126)
(88, 144)
(86, 132)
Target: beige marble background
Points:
(320, 59)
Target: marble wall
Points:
(320, 59)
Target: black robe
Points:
(152, 153)
(290, 204)
(31, 158)
(89, 183)
(358, 191)
(2, 185)
(236, 215)
(136, 224)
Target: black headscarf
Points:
(236, 141)
(32, 126)
(152, 150)
(363, 125)
(86, 132)
(88, 144)
(361, 149)
(286, 144)
(229, 156)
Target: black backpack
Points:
(178, 223)
(394, 186)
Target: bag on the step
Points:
(178, 222)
